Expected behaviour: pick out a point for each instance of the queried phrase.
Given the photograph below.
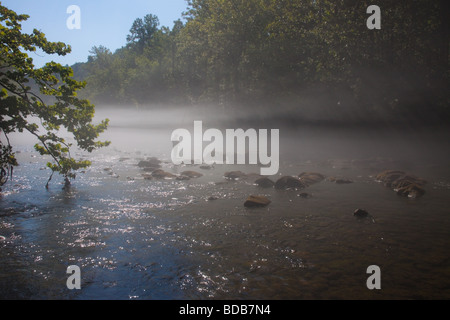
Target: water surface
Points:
(140, 239)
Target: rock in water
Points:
(289, 182)
(404, 184)
(160, 174)
(389, 176)
(309, 178)
(191, 174)
(256, 201)
(234, 175)
(407, 180)
(150, 163)
(360, 213)
(265, 183)
(304, 195)
(339, 180)
(411, 191)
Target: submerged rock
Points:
(234, 175)
(191, 174)
(411, 191)
(264, 183)
(256, 201)
(206, 167)
(289, 182)
(389, 176)
(404, 184)
(309, 178)
(304, 195)
(161, 174)
(150, 163)
(407, 180)
(360, 213)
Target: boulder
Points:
(234, 175)
(143, 164)
(404, 184)
(150, 163)
(256, 201)
(289, 182)
(264, 183)
(213, 198)
(406, 180)
(191, 174)
(411, 191)
(309, 178)
(161, 174)
(389, 176)
(183, 178)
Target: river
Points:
(167, 239)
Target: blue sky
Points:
(103, 22)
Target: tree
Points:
(53, 102)
(103, 77)
(261, 53)
(142, 32)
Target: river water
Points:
(140, 239)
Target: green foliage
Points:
(53, 105)
(246, 52)
(143, 32)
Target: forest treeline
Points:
(284, 55)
